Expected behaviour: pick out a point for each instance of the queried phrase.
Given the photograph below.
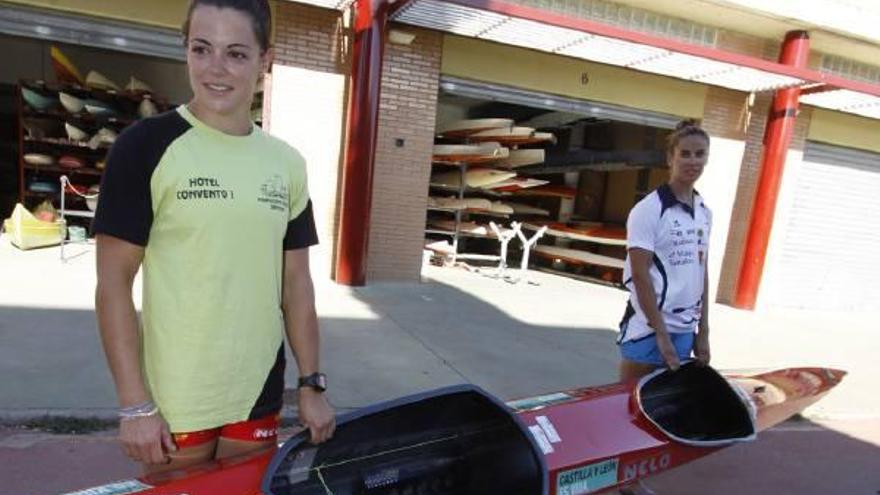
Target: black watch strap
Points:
(317, 381)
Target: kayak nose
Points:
(833, 375)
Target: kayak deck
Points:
(461, 440)
(457, 440)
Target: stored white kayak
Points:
(469, 153)
(522, 158)
(474, 177)
(470, 126)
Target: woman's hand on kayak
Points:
(667, 350)
(316, 414)
(146, 439)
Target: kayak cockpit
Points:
(697, 406)
(449, 441)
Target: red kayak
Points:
(461, 440)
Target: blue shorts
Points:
(645, 350)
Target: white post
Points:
(527, 245)
(504, 237)
(64, 182)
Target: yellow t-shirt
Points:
(214, 213)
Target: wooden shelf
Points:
(94, 93)
(469, 211)
(64, 116)
(66, 143)
(459, 160)
(487, 213)
(38, 194)
(460, 233)
(464, 133)
(512, 141)
(124, 105)
(61, 170)
(469, 190)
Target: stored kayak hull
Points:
(26, 231)
(462, 440)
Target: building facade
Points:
(622, 73)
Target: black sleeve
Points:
(301, 232)
(125, 205)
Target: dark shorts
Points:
(645, 350)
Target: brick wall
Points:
(724, 117)
(407, 112)
(748, 178)
(742, 43)
(313, 41)
(726, 113)
(310, 38)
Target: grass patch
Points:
(60, 425)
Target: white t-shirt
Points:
(679, 238)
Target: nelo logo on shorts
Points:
(261, 433)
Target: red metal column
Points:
(777, 139)
(363, 116)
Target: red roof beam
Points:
(817, 88)
(592, 27)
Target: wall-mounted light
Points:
(399, 37)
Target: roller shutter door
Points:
(51, 25)
(830, 257)
(508, 94)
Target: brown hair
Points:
(257, 10)
(687, 127)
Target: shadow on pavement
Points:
(796, 457)
(472, 341)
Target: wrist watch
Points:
(317, 381)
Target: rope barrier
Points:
(69, 187)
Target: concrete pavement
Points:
(391, 339)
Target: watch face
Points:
(317, 381)
(321, 382)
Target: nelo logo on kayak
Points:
(647, 467)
